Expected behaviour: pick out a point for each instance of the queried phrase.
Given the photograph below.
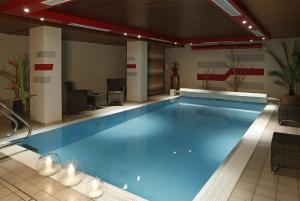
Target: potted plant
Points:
(206, 84)
(175, 78)
(289, 74)
(239, 72)
(17, 79)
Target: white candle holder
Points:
(48, 164)
(95, 188)
(70, 174)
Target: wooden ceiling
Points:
(20, 26)
(279, 17)
(177, 18)
(181, 19)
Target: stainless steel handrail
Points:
(13, 120)
(12, 115)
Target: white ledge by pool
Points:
(224, 95)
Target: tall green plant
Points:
(206, 84)
(17, 80)
(289, 62)
(239, 72)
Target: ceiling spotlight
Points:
(244, 22)
(42, 19)
(175, 43)
(26, 10)
(264, 38)
(250, 27)
(139, 36)
(125, 34)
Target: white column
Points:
(45, 74)
(137, 71)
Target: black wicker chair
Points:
(116, 91)
(76, 99)
(288, 113)
(289, 110)
(79, 99)
(285, 151)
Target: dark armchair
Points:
(76, 99)
(79, 99)
(116, 91)
(289, 110)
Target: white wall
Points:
(89, 64)
(45, 47)
(189, 67)
(11, 47)
(137, 78)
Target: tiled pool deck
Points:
(19, 182)
(257, 182)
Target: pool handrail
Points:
(14, 117)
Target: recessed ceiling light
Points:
(264, 38)
(125, 34)
(244, 22)
(42, 19)
(175, 43)
(26, 10)
(139, 36)
(250, 27)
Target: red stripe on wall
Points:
(43, 67)
(131, 65)
(219, 47)
(238, 71)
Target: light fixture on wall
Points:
(160, 40)
(139, 36)
(264, 38)
(89, 27)
(175, 43)
(250, 27)
(257, 33)
(70, 174)
(48, 164)
(95, 188)
(244, 22)
(54, 2)
(227, 7)
(42, 19)
(125, 34)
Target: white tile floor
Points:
(257, 182)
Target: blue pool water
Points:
(163, 151)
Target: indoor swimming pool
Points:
(163, 151)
